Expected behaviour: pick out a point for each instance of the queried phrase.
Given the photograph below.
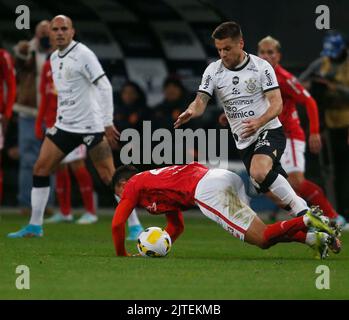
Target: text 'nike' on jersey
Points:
(74, 70)
(242, 93)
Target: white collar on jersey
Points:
(243, 61)
(63, 52)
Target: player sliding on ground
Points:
(220, 195)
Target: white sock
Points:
(39, 198)
(133, 219)
(282, 189)
(310, 239)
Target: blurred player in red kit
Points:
(74, 160)
(220, 195)
(293, 160)
(7, 99)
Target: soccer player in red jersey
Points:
(220, 195)
(7, 99)
(293, 160)
(75, 159)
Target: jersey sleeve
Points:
(207, 83)
(10, 80)
(91, 67)
(268, 77)
(292, 88)
(175, 225)
(122, 212)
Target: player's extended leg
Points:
(314, 195)
(49, 158)
(266, 179)
(294, 230)
(102, 158)
(84, 179)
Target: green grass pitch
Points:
(78, 262)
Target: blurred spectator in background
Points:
(30, 57)
(7, 99)
(130, 107)
(293, 158)
(328, 80)
(176, 100)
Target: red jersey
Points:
(163, 190)
(293, 93)
(7, 76)
(167, 190)
(48, 103)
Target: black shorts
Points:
(271, 142)
(68, 141)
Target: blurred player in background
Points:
(7, 99)
(74, 160)
(293, 159)
(220, 195)
(248, 89)
(328, 79)
(84, 116)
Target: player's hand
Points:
(315, 143)
(223, 121)
(183, 118)
(250, 127)
(112, 135)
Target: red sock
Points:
(282, 230)
(84, 180)
(313, 194)
(299, 236)
(63, 188)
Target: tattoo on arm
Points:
(203, 97)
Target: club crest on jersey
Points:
(236, 80)
(251, 86)
(88, 140)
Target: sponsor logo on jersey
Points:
(236, 80)
(269, 78)
(235, 91)
(207, 81)
(251, 85)
(88, 139)
(88, 70)
(238, 102)
(234, 113)
(152, 208)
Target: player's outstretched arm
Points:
(251, 126)
(195, 109)
(121, 215)
(175, 225)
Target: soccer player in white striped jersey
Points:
(247, 87)
(84, 116)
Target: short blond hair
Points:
(273, 41)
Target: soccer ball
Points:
(154, 242)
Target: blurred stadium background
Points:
(148, 40)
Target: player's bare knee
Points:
(258, 174)
(41, 169)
